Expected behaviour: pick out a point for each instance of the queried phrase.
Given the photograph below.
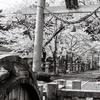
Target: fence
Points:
(57, 91)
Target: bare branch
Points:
(96, 15)
(88, 50)
(58, 31)
(82, 2)
(48, 29)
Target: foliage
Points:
(19, 34)
(18, 31)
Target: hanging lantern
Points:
(71, 4)
(73, 28)
(86, 23)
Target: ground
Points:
(89, 79)
(85, 76)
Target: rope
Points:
(71, 22)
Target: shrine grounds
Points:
(89, 79)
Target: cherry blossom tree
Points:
(18, 30)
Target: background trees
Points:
(17, 30)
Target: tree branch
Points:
(88, 50)
(54, 35)
(96, 15)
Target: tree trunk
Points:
(92, 56)
(55, 55)
(38, 36)
(54, 59)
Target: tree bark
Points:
(38, 36)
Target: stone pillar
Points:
(62, 82)
(85, 67)
(47, 67)
(76, 84)
(74, 67)
(69, 68)
(57, 65)
(52, 91)
(77, 67)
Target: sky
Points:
(8, 3)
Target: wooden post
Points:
(38, 36)
(52, 90)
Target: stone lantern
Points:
(47, 67)
(73, 28)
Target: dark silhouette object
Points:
(73, 28)
(89, 30)
(66, 62)
(44, 55)
(27, 33)
(82, 66)
(43, 59)
(71, 4)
